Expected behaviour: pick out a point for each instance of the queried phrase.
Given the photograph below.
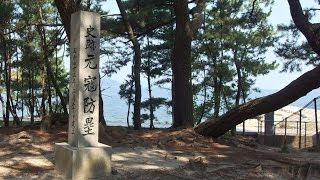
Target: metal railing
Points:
(301, 123)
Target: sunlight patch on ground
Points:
(141, 158)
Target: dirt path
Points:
(158, 154)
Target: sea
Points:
(115, 108)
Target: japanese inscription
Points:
(90, 62)
(90, 82)
(88, 126)
(72, 102)
(84, 79)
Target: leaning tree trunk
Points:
(296, 89)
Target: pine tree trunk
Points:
(217, 96)
(296, 89)
(7, 71)
(101, 111)
(129, 98)
(181, 68)
(150, 95)
(150, 88)
(9, 101)
(14, 107)
(101, 114)
(31, 95)
(137, 98)
(203, 106)
(239, 87)
(49, 96)
(13, 110)
(65, 9)
(181, 61)
(137, 67)
(22, 103)
(3, 107)
(46, 53)
(44, 91)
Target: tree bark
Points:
(13, 110)
(239, 85)
(44, 90)
(31, 94)
(181, 68)
(217, 95)
(137, 65)
(150, 88)
(65, 9)
(7, 71)
(309, 30)
(296, 89)
(49, 94)
(203, 106)
(181, 62)
(101, 114)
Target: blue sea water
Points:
(115, 108)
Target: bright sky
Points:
(273, 80)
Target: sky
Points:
(272, 81)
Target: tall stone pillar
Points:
(269, 123)
(83, 156)
(84, 75)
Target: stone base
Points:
(82, 163)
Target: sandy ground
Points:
(158, 154)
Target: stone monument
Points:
(83, 156)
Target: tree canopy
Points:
(208, 54)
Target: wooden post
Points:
(305, 134)
(300, 119)
(316, 119)
(285, 132)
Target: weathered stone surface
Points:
(82, 163)
(84, 79)
(83, 157)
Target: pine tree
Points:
(231, 54)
